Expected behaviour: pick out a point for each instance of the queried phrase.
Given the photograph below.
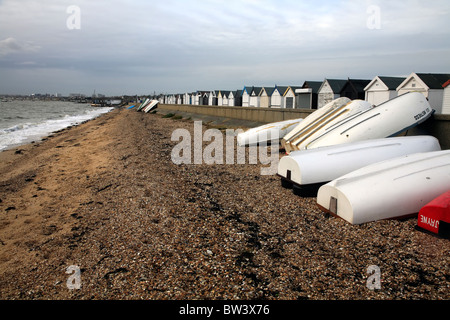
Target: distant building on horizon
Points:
(77, 95)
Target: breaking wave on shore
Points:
(25, 121)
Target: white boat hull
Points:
(267, 132)
(333, 113)
(312, 118)
(389, 189)
(387, 120)
(151, 105)
(325, 164)
(147, 101)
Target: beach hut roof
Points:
(430, 80)
(434, 80)
(357, 84)
(336, 84)
(392, 82)
(282, 89)
(445, 85)
(314, 85)
(256, 90)
(247, 89)
(269, 90)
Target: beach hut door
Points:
(290, 103)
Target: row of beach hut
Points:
(316, 94)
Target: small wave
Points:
(17, 127)
(12, 117)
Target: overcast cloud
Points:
(174, 46)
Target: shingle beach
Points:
(105, 196)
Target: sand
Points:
(105, 196)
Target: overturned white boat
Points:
(316, 123)
(143, 104)
(312, 120)
(150, 106)
(389, 189)
(322, 165)
(389, 119)
(267, 132)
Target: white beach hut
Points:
(225, 97)
(288, 97)
(264, 96)
(276, 97)
(382, 89)
(171, 99)
(245, 95)
(429, 84)
(446, 100)
(179, 98)
(231, 99)
(211, 97)
(254, 97)
(219, 97)
(186, 98)
(196, 98)
(222, 97)
(330, 90)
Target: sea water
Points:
(23, 121)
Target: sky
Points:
(174, 46)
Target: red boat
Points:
(435, 216)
